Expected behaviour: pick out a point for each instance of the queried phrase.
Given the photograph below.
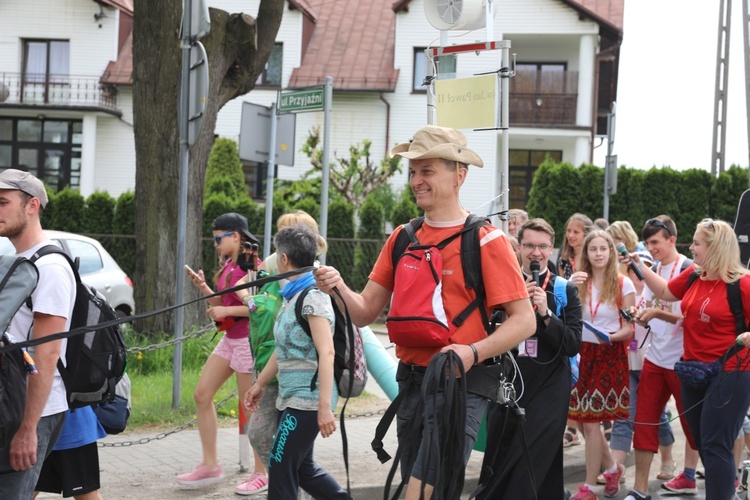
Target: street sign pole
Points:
(269, 184)
(327, 106)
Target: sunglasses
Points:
(658, 223)
(218, 237)
(709, 223)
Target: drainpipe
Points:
(387, 124)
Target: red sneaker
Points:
(612, 486)
(681, 484)
(584, 493)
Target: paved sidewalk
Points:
(149, 470)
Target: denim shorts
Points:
(237, 351)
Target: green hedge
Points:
(686, 196)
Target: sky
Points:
(665, 96)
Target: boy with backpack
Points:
(438, 166)
(22, 200)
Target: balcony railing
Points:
(543, 98)
(51, 90)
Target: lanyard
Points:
(659, 267)
(593, 312)
(546, 280)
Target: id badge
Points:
(633, 346)
(528, 348)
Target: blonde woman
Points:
(602, 390)
(716, 412)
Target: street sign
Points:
(299, 101)
(255, 133)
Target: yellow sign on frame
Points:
(466, 102)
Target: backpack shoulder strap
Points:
(691, 279)
(298, 310)
(51, 249)
(471, 264)
(685, 264)
(735, 304)
(560, 293)
(407, 235)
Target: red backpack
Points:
(417, 317)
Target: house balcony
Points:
(543, 98)
(48, 91)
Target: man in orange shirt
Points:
(438, 166)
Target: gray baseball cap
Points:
(24, 181)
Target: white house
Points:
(66, 84)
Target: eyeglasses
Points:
(218, 237)
(530, 247)
(658, 223)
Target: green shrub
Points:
(372, 222)
(70, 208)
(310, 206)
(340, 234)
(224, 163)
(405, 209)
(123, 223)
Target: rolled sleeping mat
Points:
(380, 364)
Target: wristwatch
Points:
(546, 316)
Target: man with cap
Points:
(22, 199)
(438, 166)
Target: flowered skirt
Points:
(602, 391)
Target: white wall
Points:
(115, 148)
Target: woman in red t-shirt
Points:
(716, 413)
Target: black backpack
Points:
(19, 278)
(95, 360)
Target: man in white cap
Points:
(22, 199)
(438, 166)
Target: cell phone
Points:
(626, 315)
(190, 270)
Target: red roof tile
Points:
(120, 72)
(357, 58)
(124, 5)
(606, 12)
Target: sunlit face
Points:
(433, 183)
(660, 247)
(530, 248)
(575, 235)
(13, 213)
(698, 248)
(512, 227)
(598, 253)
(228, 242)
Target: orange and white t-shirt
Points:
(501, 273)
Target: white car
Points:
(96, 267)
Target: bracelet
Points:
(476, 354)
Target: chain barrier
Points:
(208, 328)
(162, 435)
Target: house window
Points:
(49, 149)
(521, 169)
(445, 65)
(46, 71)
(271, 76)
(255, 178)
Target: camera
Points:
(626, 315)
(250, 246)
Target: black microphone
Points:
(535, 266)
(624, 251)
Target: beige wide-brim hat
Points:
(432, 141)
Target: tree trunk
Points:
(237, 54)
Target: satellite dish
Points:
(456, 14)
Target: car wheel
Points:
(122, 312)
